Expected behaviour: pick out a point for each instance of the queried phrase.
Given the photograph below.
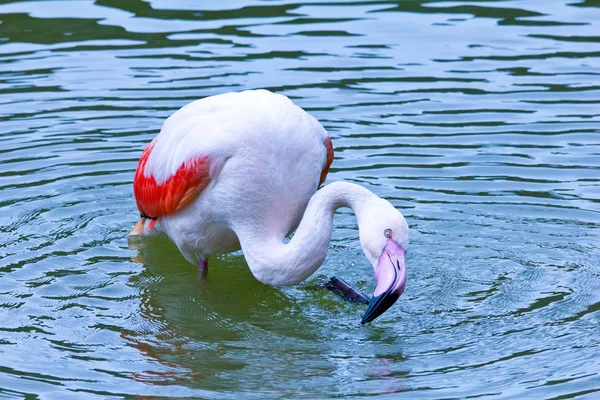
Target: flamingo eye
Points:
(388, 233)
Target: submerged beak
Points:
(390, 274)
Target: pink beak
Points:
(390, 274)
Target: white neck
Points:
(277, 263)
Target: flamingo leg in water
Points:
(345, 290)
(202, 267)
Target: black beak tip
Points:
(378, 305)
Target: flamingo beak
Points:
(390, 274)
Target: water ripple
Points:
(478, 120)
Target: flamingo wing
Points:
(328, 161)
(159, 199)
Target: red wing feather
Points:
(155, 201)
(325, 171)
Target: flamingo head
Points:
(384, 239)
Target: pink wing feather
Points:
(155, 201)
(328, 161)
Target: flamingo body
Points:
(241, 171)
(248, 160)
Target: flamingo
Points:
(241, 171)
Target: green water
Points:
(480, 120)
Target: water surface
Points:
(480, 120)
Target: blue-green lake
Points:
(479, 120)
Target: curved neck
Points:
(277, 263)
